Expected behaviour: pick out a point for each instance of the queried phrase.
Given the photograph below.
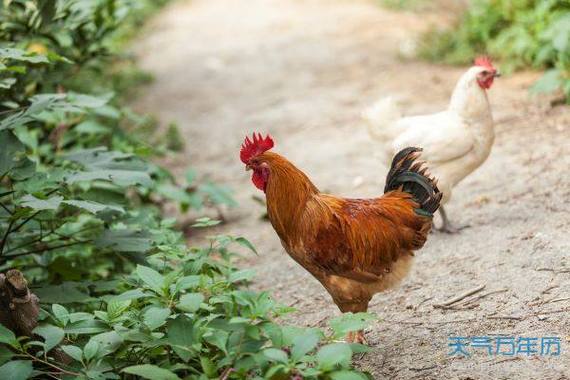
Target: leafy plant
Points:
(182, 315)
(520, 33)
(122, 295)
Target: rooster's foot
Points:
(356, 337)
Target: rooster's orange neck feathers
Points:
(288, 190)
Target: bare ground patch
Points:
(303, 70)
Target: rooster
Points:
(354, 247)
(455, 142)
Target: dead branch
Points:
(460, 297)
(20, 307)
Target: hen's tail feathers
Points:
(412, 177)
(379, 118)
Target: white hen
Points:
(455, 142)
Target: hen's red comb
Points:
(251, 148)
(484, 61)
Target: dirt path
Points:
(303, 70)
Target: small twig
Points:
(317, 323)
(504, 317)
(563, 270)
(424, 301)
(422, 368)
(547, 290)
(6, 192)
(5, 237)
(226, 373)
(31, 242)
(460, 297)
(558, 300)
(486, 295)
(6, 208)
(505, 360)
(44, 249)
(551, 312)
(59, 369)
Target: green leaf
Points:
(173, 193)
(350, 322)
(241, 275)
(205, 222)
(119, 168)
(303, 344)
(73, 351)
(108, 342)
(125, 240)
(118, 177)
(276, 355)
(208, 367)
(60, 312)
(88, 101)
(12, 156)
(68, 292)
(549, 82)
(7, 336)
(333, 355)
(129, 295)
(22, 55)
(6, 83)
(151, 372)
(156, 316)
(150, 277)
(180, 336)
(86, 327)
(16, 370)
(218, 338)
(41, 204)
(90, 349)
(117, 307)
(52, 335)
(188, 282)
(190, 176)
(5, 354)
(190, 302)
(246, 243)
(218, 194)
(93, 207)
(92, 127)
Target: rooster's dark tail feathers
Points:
(413, 177)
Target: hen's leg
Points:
(446, 225)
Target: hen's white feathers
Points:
(455, 141)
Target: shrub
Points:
(520, 33)
(121, 293)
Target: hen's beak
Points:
(496, 74)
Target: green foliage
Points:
(519, 33)
(405, 4)
(183, 314)
(121, 293)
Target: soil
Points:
(304, 70)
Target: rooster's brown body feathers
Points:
(354, 247)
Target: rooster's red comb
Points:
(251, 148)
(484, 61)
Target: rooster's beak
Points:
(247, 168)
(497, 74)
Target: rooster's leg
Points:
(354, 307)
(446, 225)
